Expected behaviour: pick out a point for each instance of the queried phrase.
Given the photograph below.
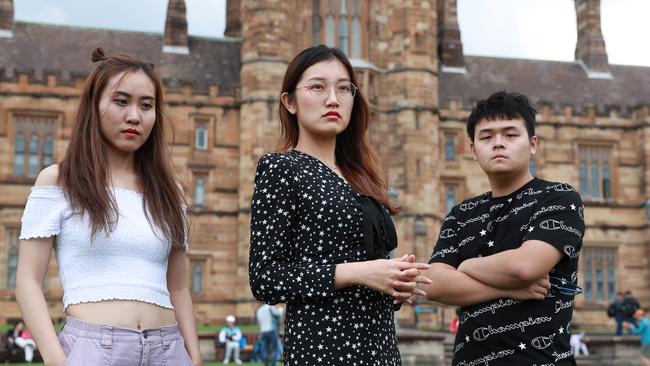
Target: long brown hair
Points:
(354, 155)
(83, 172)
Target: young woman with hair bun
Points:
(114, 214)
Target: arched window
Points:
(19, 154)
(340, 23)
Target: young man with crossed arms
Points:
(509, 257)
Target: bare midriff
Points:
(130, 314)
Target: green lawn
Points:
(247, 328)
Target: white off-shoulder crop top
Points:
(128, 263)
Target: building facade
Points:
(222, 96)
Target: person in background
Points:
(268, 318)
(230, 336)
(23, 339)
(577, 341)
(615, 310)
(10, 342)
(455, 322)
(629, 306)
(641, 326)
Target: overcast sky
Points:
(536, 29)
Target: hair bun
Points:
(98, 55)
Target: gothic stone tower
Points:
(268, 44)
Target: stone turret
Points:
(233, 18)
(590, 48)
(176, 40)
(450, 46)
(6, 18)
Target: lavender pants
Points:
(105, 345)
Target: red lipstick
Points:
(332, 114)
(131, 132)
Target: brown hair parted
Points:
(354, 155)
(84, 173)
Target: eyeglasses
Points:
(345, 90)
(566, 289)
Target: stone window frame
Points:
(457, 183)
(457, 136)
(603, 154)
(201, 262)
(33, 123)
(592, 259)
(328, 17)
(207, 122)
(205, 176)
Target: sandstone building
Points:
(222, 94)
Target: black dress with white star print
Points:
(305, 219)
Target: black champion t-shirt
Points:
(506, 331)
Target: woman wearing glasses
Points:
(320, 224)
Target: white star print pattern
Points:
(305, 219)
(514, 332)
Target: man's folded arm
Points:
(453, 287)
(513, 268)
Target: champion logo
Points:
(551, 224)
(490, 226)
(481, 333)
(468, 206)
(447, 233)
(543, 342)
(571, 252)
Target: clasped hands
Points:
(397, 277)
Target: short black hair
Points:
(502, 105)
